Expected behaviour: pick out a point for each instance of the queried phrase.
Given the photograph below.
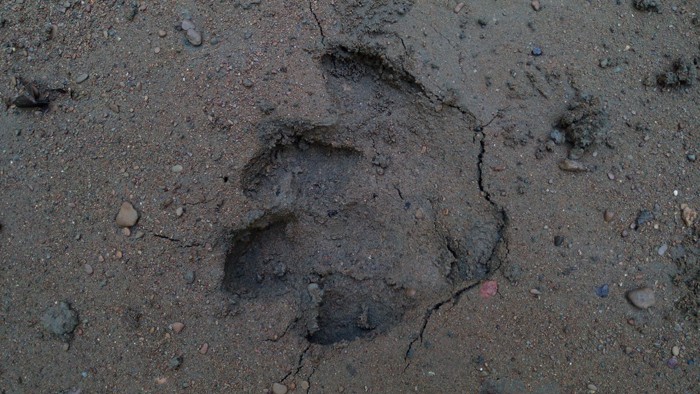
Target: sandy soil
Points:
(349, 196)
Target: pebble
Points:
(592, 387)
(662, 249)
(248, 83)
(175, 362)
(304, 385)
(179, 211)
(672, 362)
(81, 78)
(189, 277)
(608, 216)
(536, 5)
(536, 51)
(558, 240)
(556, 136)
(88, 269)
(204, 348)
(458, 8)
(676, 351)
(642, 298)
(162, 33)
(194, 38)
(688, 214)
(127, 216)
(644, 216)
(535, 292)
(156, 50)
(279, 388)
(126, 232)
(187, 24)
(572, 166)
(177, 327)
(602, 291)
(692, 158)
(176, 168)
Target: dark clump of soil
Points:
(585, 123)
(648, 5)
(60, 320)
(683, 73)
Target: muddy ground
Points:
(349, 196)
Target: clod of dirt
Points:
(60, 320)
(683, 73)
(585, 123)
(648, 5)
(688, 214)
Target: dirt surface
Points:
(349, 196)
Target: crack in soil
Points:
(502, 241)
(318, 22)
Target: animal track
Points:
(368, 215)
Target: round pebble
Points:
(662, 249)
(88, 269)
(536, 51)
(127, 216)
(204, 348)
(608, 216)
(176, 168)
(304, 385)
(194, 38)
(187, 24)
(676, 351)
(177, 327)
(642, 298)
(179, 211)
(279, 388)
(162, 33)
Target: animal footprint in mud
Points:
(357, 211)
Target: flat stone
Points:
(177, 327)
(176, 168)
(81, 78)
(572, 166)
(127, 216)
(642, 298)
(279, 388)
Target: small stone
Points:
(672, 362)
(691, 157)
(535, 292)
(419, 214)
(458, 8)
(608, 216)
(642, 298)
(558, 240)
(118, 255)
(572, 166)
(602, 291)
(536, 51)
(557, 136)
(127, 216)
(81, 78)
(162, 33)
(179, 211)
(187, 24)
(177, 327)
(194, 38)
(279, 388)
(304, 385)
(88, 269)
(204, 348)
(189, 277)
(126, 232)
(611, 176)
(662, 249)
(676, 351)
(247, 83)
(156, 50)
(592, 387)
(175, 362)
(688, 214)
(643, 217)
(176, 168)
